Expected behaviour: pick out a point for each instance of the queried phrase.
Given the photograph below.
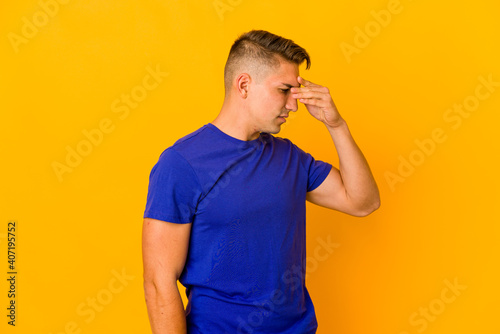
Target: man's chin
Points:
(274, 130)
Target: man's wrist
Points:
(338, 124)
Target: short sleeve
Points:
(173, 190)
(317, 170)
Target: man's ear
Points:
(243, 84)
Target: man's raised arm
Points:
(351, 188)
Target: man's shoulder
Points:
(285, 147)
(180, 149)
(279, 141)
(196, 135)
(193, 143)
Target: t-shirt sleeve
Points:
(173, 190)
(317, 170)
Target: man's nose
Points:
(291, 103)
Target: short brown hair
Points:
(262, 47)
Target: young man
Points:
(225, 211)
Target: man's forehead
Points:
(289, 80)
(285, 74)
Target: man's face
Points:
(271, 99)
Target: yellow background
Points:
(74, 235)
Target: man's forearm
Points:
(165, 310)
(360, 186)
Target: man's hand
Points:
(318, 102)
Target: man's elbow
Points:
(367, 207)
(151, 289)
(155, 287)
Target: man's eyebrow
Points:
(290, 86)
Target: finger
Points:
(315, 102)
(318, 93)
(305, 83)
(307, 95)
(315, 89)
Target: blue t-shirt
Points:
(245, 267)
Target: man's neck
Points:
(235, 124)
